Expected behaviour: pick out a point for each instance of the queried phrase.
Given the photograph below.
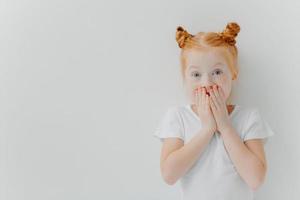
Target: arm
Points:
(177, 158)
(248, 158)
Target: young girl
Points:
(214, 149)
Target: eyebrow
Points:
(193, 66)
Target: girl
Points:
(214, 149)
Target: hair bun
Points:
(231, 31)
(182, 36)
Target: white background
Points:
(84, 83)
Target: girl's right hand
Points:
(204, 111)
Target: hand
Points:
(204, 111)
(219, 108)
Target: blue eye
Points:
(195, 74)
(218, 72)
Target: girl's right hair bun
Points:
(181, 36)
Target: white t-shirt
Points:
(213, 176)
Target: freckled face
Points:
(206, 68)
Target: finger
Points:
(221, 93)
(217, 95)
(203, 93)
(195, 92)
(216, 91)
(212, 104)
(221, 96)
(214, 99)
(197, 98)
(206, 102)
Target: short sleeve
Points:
(257, 127)
(170, 125)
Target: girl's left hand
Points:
(219, 108)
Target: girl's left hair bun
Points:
(230, 33)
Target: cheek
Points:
(189, 87)
(225, 84)
(221, 79)
(191, 94)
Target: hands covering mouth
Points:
(207, 89)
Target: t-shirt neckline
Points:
(236, 107)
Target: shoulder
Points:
(176, 109)
(243, 115)
(253, 112)
(256, 126)
(171, 113)
(251, 117)
(172, 110)
(247, 110)
(177, 112)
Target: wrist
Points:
(226, 129)
(208, 130)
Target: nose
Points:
(206, 82)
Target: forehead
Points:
(205, 58)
